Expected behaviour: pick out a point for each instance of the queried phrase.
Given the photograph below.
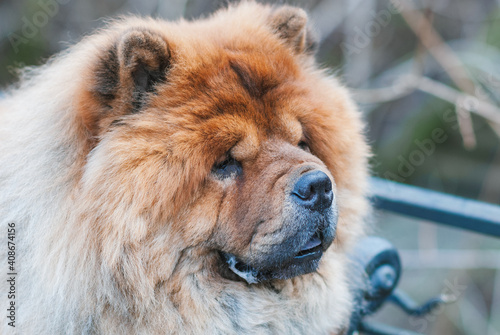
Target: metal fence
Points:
(378, 263)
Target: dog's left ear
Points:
(143, 58)
(125, 74)
(290, 24)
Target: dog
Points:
(190, 177)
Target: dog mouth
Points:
(311, 249)
(306, 260)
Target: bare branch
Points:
(470, 103)
(433, 42)
(409, 83)
(465, 126)
(443, 54)
(402, 87)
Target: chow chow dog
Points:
(201, 177)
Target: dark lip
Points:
(307, 259)
(311, 250)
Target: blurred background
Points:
(426, 76)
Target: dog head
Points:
(222, 135)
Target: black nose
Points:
(314, 191)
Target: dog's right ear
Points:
(124, 77)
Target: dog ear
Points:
(124, 76)
(290, 24)
(144, 58)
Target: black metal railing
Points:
(437, 207)
(376, 263)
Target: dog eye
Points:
(304, 146)
(228, 168)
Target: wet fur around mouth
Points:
(286, 271)
(303, 261)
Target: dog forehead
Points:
(223, 95)
(259, 72)
(251, 85)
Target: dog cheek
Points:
(200, 223)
